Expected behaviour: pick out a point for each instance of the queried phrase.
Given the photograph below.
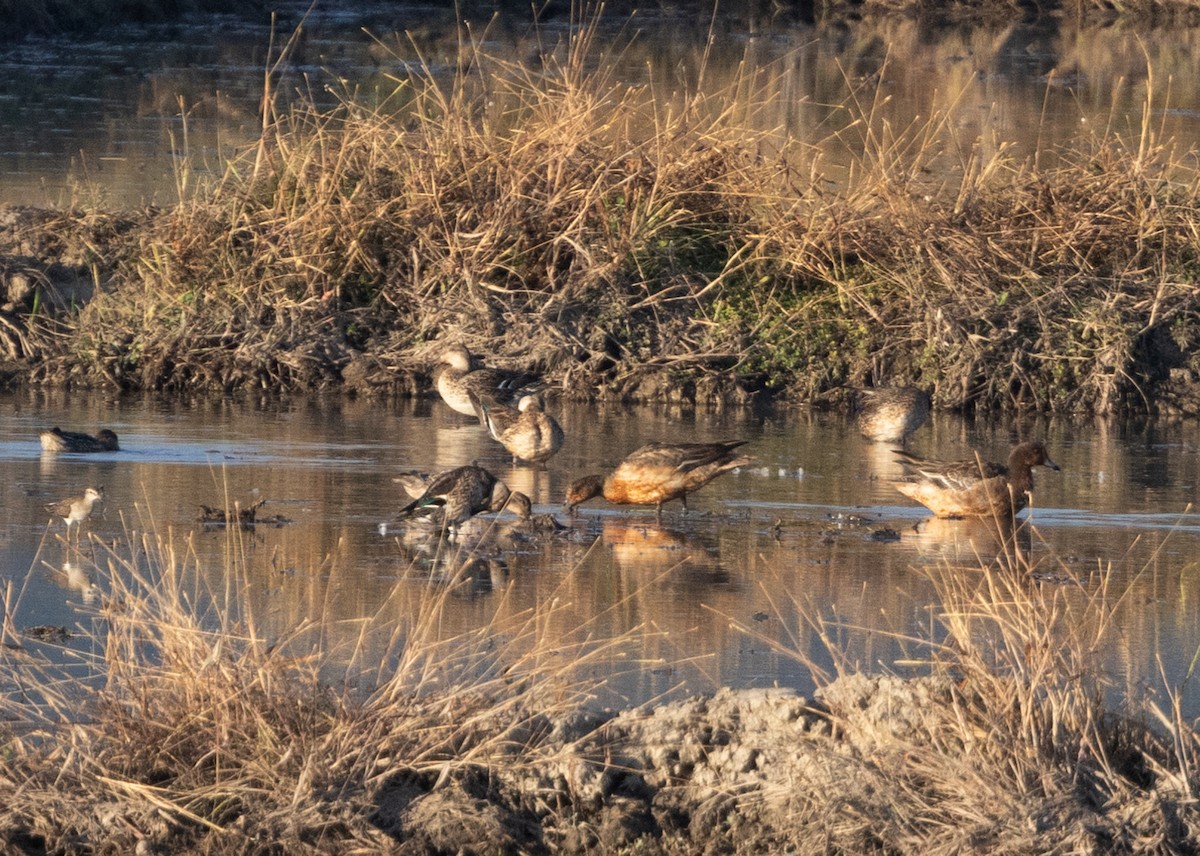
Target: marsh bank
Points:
(650, 239)
(520, 214)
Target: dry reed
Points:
(630, 242)
(176, 725)
(1003, 737)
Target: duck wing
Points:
(952, 475)
(684, 456)
(494, 416)
(469, 487)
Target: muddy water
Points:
(115, 118)
(716, 597)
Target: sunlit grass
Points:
(172, 704)
(636, 242)
(1001, 728)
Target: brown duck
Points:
(888, 414)
(659, 472)
(973, 488)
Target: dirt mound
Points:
(857, 769)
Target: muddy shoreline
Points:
(72, 285)
(865, 766)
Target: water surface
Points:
(715, 597)
(136, 114)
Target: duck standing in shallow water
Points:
(456, 381)
(973, 488)
(466, 491)
(58, 440)
(889, 414)
(659, 472)
(526, 431)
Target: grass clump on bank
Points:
(172, 724)
(636, 244)
(1007, 735)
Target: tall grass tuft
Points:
(1003, 736)
(636, 242)
(176, 723)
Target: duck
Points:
(456, 381)
(973, 488)
(659, 472)
(889, 414)
(527, 431)
(76, 509)
(58, 440)
(463, 492)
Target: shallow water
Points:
(710, 598)
(114, 118)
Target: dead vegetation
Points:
(166, 722)
(631, 243)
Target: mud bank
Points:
(871, 764)
(74, 312)
(864, 767)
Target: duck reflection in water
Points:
(1002, 542)
(475, 568)
(650, 552)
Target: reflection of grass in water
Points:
(1002, 733)
(198, 721)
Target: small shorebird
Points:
(58, 440)
(526, 431)
(973, 488)
(463, 492)
(456, 381)
(659, 472)
(76, 509)
(888, 414)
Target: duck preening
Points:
(527, 431)
(465, 491)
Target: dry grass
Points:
(178, 727)
(174, 722)
(639, 243)
(1008, 741)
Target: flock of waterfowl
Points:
(509, 406)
